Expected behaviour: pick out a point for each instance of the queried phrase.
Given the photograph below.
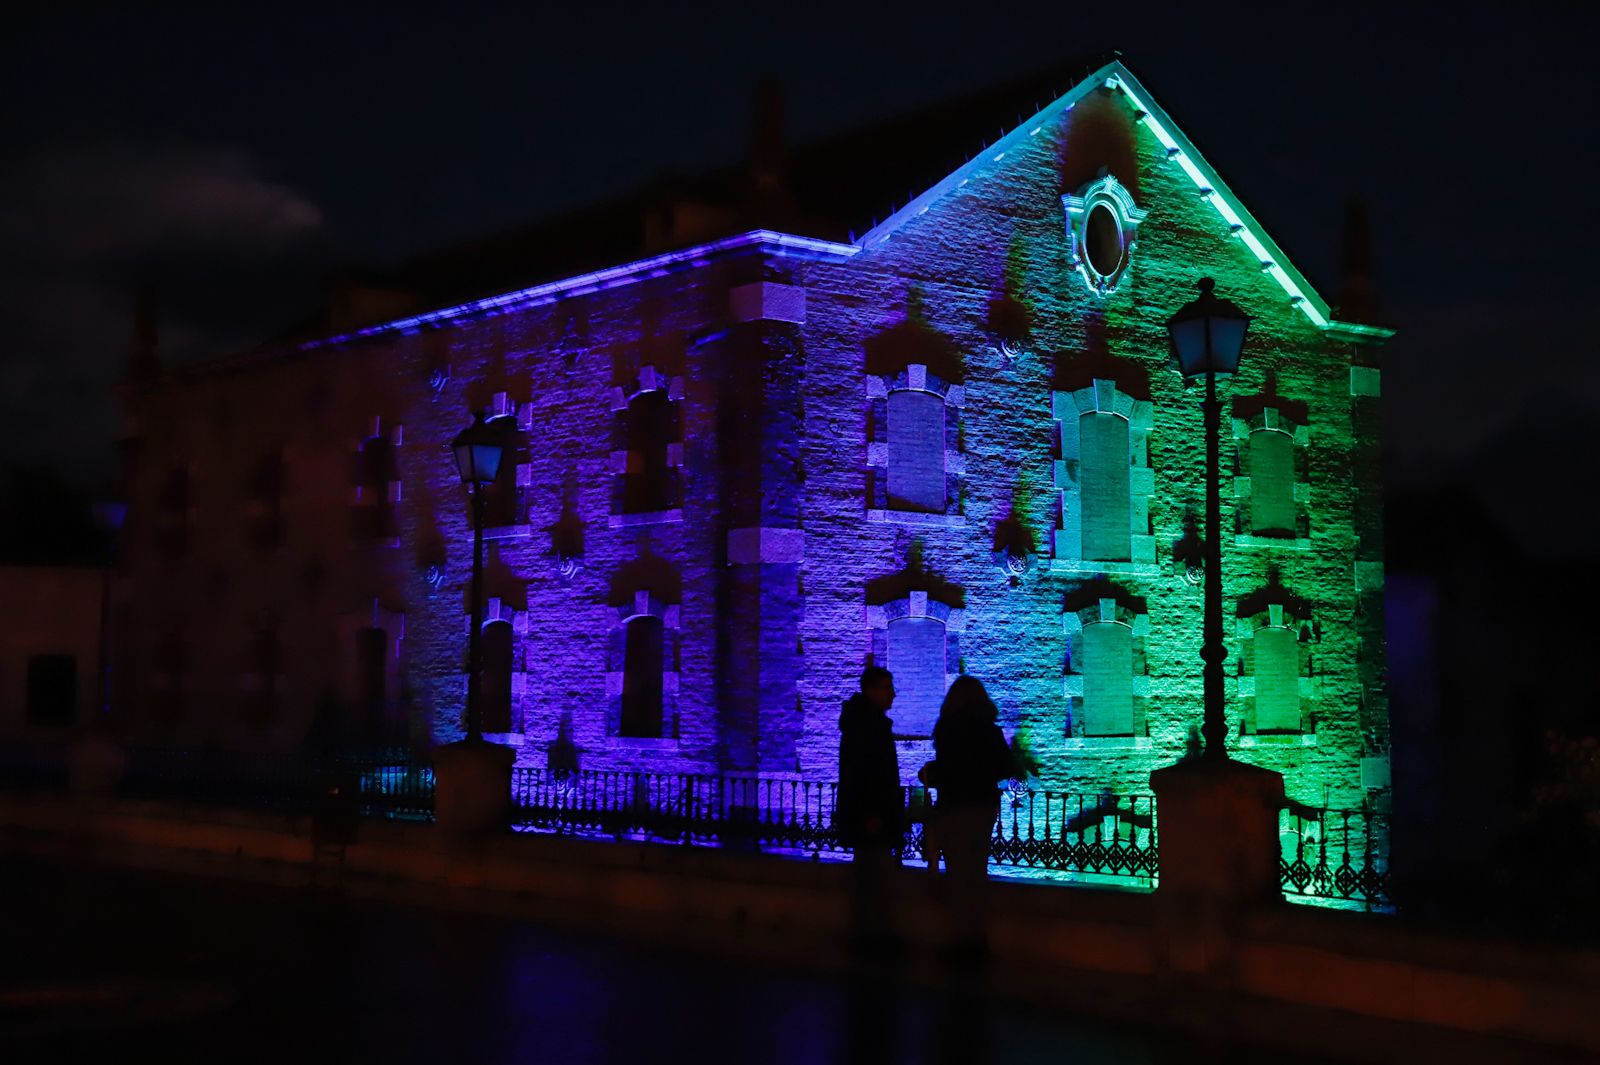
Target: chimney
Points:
(144, 358)
(770, 202)
(1358, 299)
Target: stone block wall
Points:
(781, 561)
(1001, 234)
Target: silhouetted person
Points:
(970, 759)
(868, 814)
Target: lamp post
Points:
(478, 450)
(108, 516)
(1207, 337)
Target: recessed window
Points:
(916, 451)
(916, 654)
(1103, 240)
(1277, 680)
(372, 676)
(1105, 477)
(494, 683)
(1272, 504)
(1107, 680)
(52, 689)
(644, 657)
(648, 483)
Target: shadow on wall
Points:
(1099, 138)
(1010, 317)
(1247, 407)
(1090, 592)
(1272, 593)
(1014, 545)
(492, 378)
(647, 573)
(914, 576)
(913, 340)
(567, 532)
(656, 345)
(1094, 361)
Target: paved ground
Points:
(116, 966)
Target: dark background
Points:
(236, 159)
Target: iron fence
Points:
(1329, 856)
(379, 782)
(1333, 856)
(1036, 830)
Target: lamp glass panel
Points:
(1227, 340)
(486, 462)
(1189, 341)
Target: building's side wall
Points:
(51, 610)
(780, 571)
(925, 295)
(566, 572)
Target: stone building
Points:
(754, 448)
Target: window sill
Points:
(648, 517)
(915, 517)
(1278, 739)
(1113, 743)
(644, 743)
(507, 532)
(506, 739)
(1084, 565)
(1287, 543)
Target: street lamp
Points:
(108, 517)
(1207, 337)
(478, 450)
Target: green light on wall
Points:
(1224, 205)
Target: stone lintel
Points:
(761, 544)
(767, 301)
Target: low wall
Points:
(1376, 985)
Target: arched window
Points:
(372, 681)
(642, 681)
(916, 451)
(494, 683)
(264, 493)
(1105, 480)
(376, 486)
(913, 447)
(52, 689)
(1107, 679)
(174, 501)
(1277, 686)
(1272, 505)
(647, 483)
(918, 639)
(916, 657)
(1268, 433)
(504, 505)
(1277, 674)
(168, 677)
(266, 666)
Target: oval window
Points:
(1102, 239)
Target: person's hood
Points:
(858, 710)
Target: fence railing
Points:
(1332, 856)
(380, 783)
(1329, 856)
(1039, 830)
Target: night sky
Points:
(236, 160)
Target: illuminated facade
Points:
(744, 467)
